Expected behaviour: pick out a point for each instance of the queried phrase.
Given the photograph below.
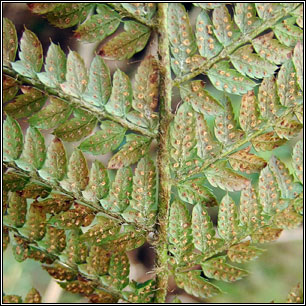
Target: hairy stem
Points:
(78, 103)
(231, 48)
(163, 158)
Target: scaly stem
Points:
(78, 103)
(163, 158)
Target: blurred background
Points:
(271, 276)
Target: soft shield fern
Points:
(170, 162)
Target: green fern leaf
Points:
(102, 297)
(10, 42)
(202, 229)
(228, 219)
(142, 292)
(76, 75)
(66, 15)
(27, 104)
(146, 10)
(60, 272)
(243, 252)
(289, 189)
(288, 128)
(121, 98)
(245, 17)
(13, 181)
(83, 287)
(287, 33)
(267, 141)
(196, 285)
(193, 191)
(266, 234)
(135, 147)
(208, 6)
(120, 191)
(42, 8)
(271, 49)
(98, 26)
(98, 89)
(55, 204)
(55, 166)
(55, 67)
(31, 55)
(127, 43)
(17, 210)
(176, 300)
(54, 114)
(299, 112)
(268, 10)
(298, 63)
(34, 152)
(10, 88)
(98, 185)
(298, 13)
(35, 190)
(288, 219)
(229, 80)
(207, 42)
(247, 162)
(12, 139)
(250, 64)
(54, 240)
(12, 299)
(105, 140)
(220, 176)
(297, 160)
(216, 268)
(201, 101)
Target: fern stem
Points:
(231, 48)
(163, 158)
(78, 103)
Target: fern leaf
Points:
(297, 160)
(83, 287)
(267, 141)
(243, 252)
(217, 268)
(220, 176)
(202, 229)
(27, 104)
(288, 128)
(120, 191)
(267, 10)
(77, 128)
(288, 218)
(55, 166)
(250, 209)
(10, 88)
(12, 299)
(180, 235)
(34, 152)
(34, 190)
(146, 10)
(299, 112)
(249, 114)
(228, 219)
(54, 240)
(127, 43)
(13, 181)
(12, 139)
(76, 75)
(5, 237)
(66, 15)
(98, 89)
(121, 98)
(145, 88)
(100, 296)
(266, 234)
(207, 42)
(17, 210)
(31, 55)
(287, 33)
(142, 292)
(208, 6)
(98, 185)
(182, 40)
(54, 114)
(247, 162)
(55, 67)
(295, 295)
(250, 64)
(229, 80)
(271, 49)
(289, 189)
(136, 147)
(225, 29)
(176, 300)
(287, 87)
(60, 272)
(98, 26)
(196, 285)
(201, 101)
(144, 193)
(10, 42)
(77, 172)
(55, 204)
(193, 191)
(105, 140)
(42, 8)
(298, 13)
(298, 64)
(245, 17)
